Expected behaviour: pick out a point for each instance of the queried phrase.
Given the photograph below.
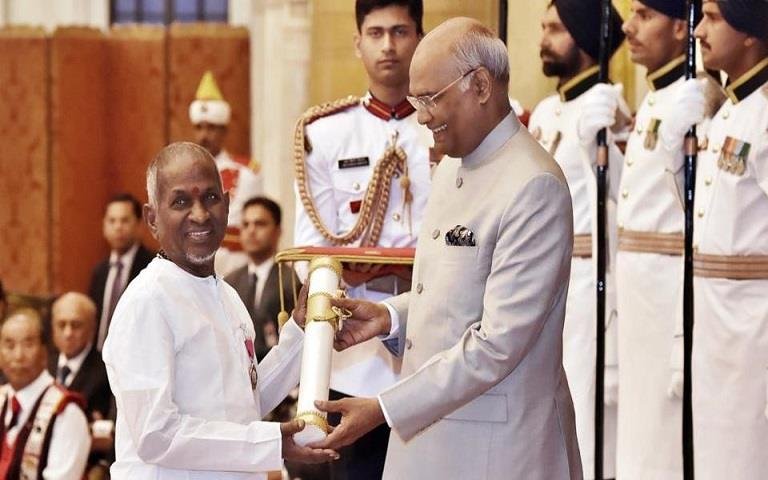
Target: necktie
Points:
(114, 296)
(63, 374)
(15, 411)
(254, 280)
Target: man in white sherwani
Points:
(484, 394)
(730, 346)
(180, 355)
(566, 124)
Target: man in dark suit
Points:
(79, 367)
(122, 230)
(257, 282)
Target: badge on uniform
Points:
(733, 156)
(353, 162)
(652, 134)
(460, 236)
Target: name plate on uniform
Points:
(353, 162)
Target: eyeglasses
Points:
(428, 102)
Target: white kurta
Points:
(553, 123)
(70, 437)
(649, 286)
(179, 369)
(730, 349)
(368, 368)
(242, 184)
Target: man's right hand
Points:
(295, 453)
(367, 321)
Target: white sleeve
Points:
(70, 445)
(321, 191)
(141, 368)
(280, 369)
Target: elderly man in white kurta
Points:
(180, 355)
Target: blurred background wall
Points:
(91, 89)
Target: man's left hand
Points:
(358, 417)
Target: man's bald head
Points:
(460, 76)
(166, 156)
(74, 323)
(463, 43)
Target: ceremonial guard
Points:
(210, 114)
(566, 125)
(730, 337)
(649, 266)
(362, 179)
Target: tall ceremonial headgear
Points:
(582, 19)
(209, 105)
(670, 8)
(746, 16)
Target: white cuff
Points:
(384, 410)
(394, 325)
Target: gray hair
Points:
(480, 47)
(168, 152)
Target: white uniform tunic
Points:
(345, 149)
(70, 435)
(178, 366)
(242, 183)
(649, 286)
(730, 348)
(553, 124)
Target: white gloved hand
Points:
(611, 386)
(675, 388)
(598, 111)
(689, 107)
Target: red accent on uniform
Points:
(229, 177)
(354, 206)
(385, 112)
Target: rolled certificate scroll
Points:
(321, 324)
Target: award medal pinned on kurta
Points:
(254, 376)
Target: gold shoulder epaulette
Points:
(317, 112)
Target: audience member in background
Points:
(210, 114)
(122, 230)
(257, 282)
(43, 430)
(79, 368)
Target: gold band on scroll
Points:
(315, 418)
(325, 262)
(319, 309)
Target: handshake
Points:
(363, 320)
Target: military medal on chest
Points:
(733, 156)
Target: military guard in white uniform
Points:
(649, 262)
(566, 125)
(210, 114)
(363, 177)
(730, 348)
